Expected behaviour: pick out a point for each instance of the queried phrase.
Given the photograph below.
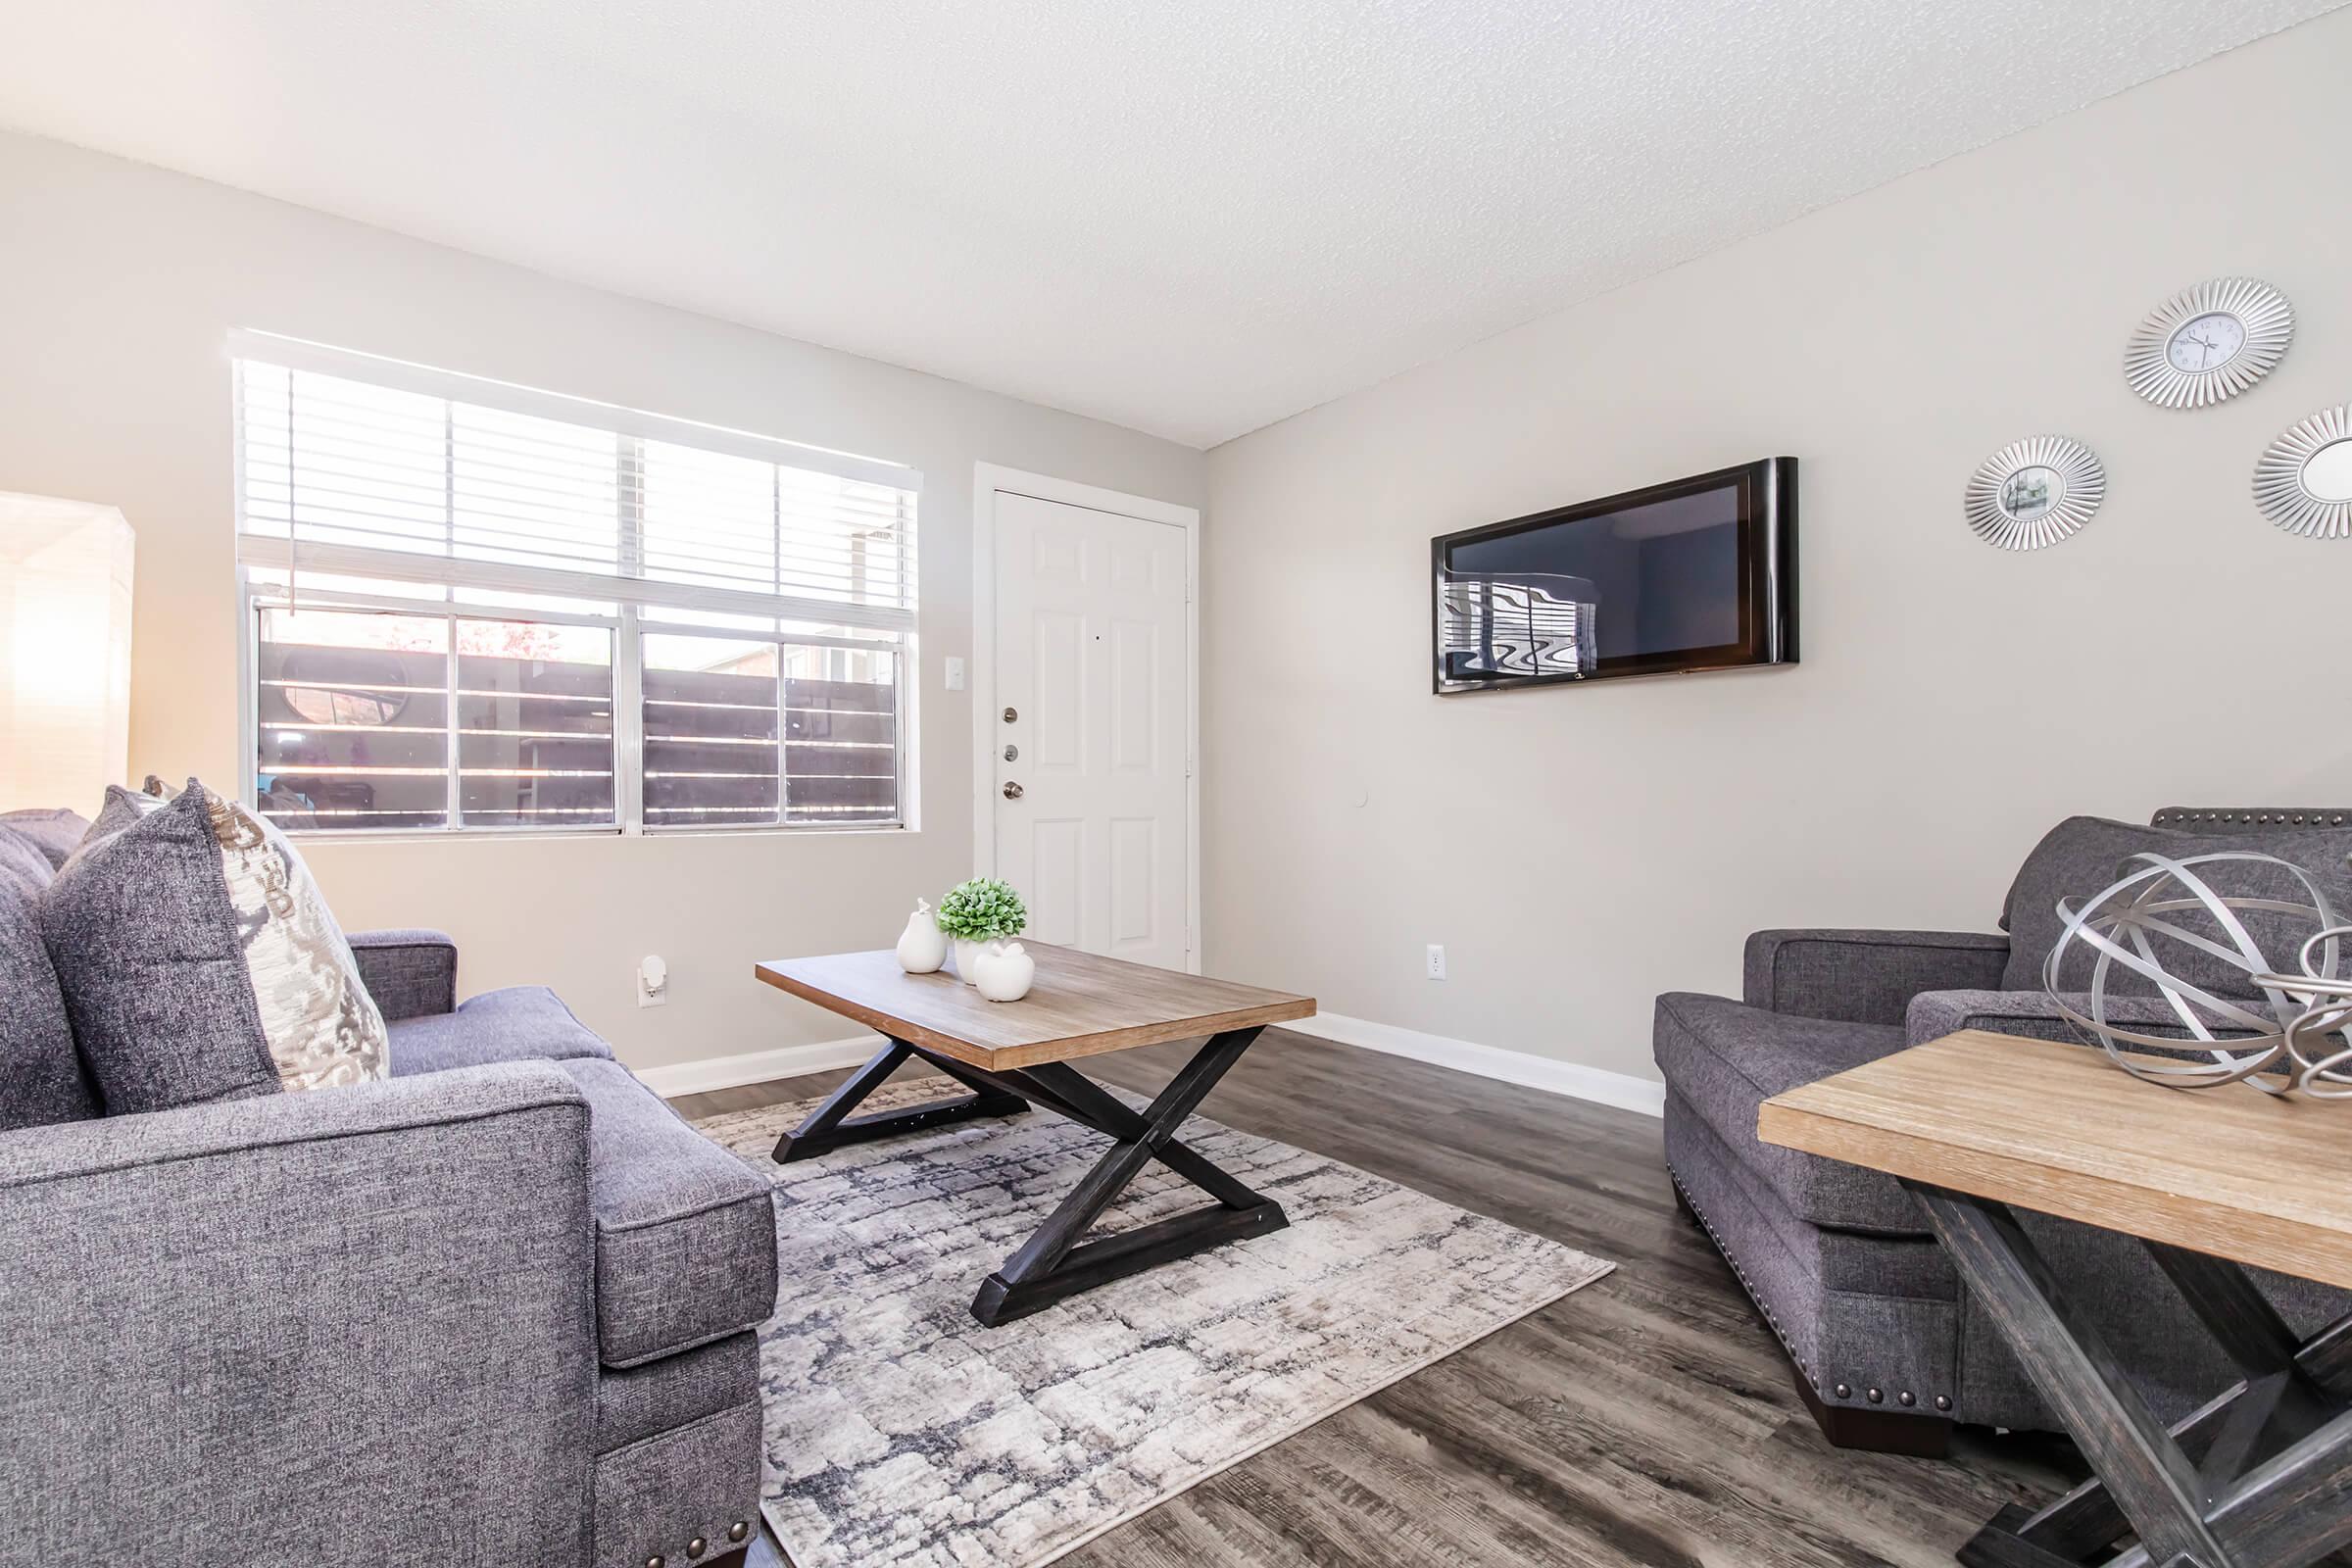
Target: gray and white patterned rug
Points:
(899, 1432)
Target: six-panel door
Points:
(1091, 658)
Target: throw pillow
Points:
(41, 1080)
(200, 962)
(53, 833)
(2085, 855)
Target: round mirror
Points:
(2031, 492)
(2327, 472)
(2034, 493)
(2304, 480)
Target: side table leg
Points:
(2152, 1482)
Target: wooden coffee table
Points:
(1014, 1054)
(2261, 1477)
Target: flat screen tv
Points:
(1696, 574)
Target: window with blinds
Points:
(475, 606)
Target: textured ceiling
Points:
(1191, 218)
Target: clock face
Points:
(2205, 342)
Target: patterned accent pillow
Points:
(200, 962)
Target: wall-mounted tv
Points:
(1696, 574)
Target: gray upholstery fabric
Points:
(1864, 976)
(203, 1364)
(685, 1234)
(1873, 1337)
(1726, 1059)
(140, 928)
(54, 833)
(2030, 1014)
(2083, 855)
(655, 1498)
(41, 1079)
(521, 1023)
(634, 1403)
(411, 973)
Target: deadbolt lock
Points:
(1012, 753)
(1012, 713)
(1012, 792)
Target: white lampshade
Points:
(64, 652)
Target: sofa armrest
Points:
(410, 974)
(363, 1317)
(2035, 1015)
(1865, 976)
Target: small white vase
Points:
(1006, 972)
(922, 946)
(968, 959)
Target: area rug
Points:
(901, 1434)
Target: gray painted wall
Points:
(1578, 851)
(119, 284)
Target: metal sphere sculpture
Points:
(2294, 1041)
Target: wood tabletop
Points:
(1081, 1005)
(2058, 1128)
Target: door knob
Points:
(1012, 792)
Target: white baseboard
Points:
(1552, 1076)
(756, 1066)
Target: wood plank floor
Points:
(1647, 1419)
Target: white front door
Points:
(1091, 714)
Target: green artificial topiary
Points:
(981, 910)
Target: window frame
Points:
(896, 630)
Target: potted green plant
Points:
(976, 912)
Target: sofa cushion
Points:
(2083, 854)
(521, 1023)
(1726, 1058)
(199, 963)
(685, 1232)
(41, 1078)
(54, 833)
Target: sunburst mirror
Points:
(2034, 492)
(2304, 480)
(2209, 343)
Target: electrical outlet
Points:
(653, 983)
(1437, 961)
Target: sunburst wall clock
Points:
(2208, 344)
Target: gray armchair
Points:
(496, 1309)
(1888, 1348)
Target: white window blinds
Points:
(352, 467)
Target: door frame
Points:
(988, 479)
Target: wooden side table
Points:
(1974, 1123)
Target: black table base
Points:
(2259, 1478)
(1058, 1263)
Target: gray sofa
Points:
(496, 1309)
(1888, 1348)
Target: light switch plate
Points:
(955, 674)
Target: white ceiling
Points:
(1191, 217)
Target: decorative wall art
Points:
(2034, 492)
(2304, 480)
(2207, 344)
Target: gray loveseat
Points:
(493, 1310)
(1888, 1348)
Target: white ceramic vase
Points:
(922, 946)
(1006, 972)
(968, 959)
